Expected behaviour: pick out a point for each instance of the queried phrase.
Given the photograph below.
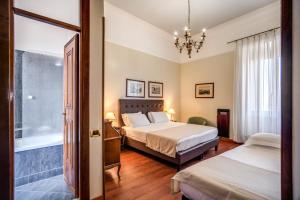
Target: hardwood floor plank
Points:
(144, 177)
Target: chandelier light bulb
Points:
(188, 42)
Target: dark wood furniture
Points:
(145, 106)
(223, 120)
(112, 146)
(122, 134)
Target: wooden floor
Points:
(145, 177)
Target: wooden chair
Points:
(197, 120)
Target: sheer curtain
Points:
(257, 86)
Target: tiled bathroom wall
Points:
(37, 164)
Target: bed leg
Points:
(178, 167)
(217, 147)
(184, 197)
(201, 156)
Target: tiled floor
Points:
(53, 188)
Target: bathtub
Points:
(38, 157)
(35, 142)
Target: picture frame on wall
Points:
(155, 89)
(135, 88)
(204, 90)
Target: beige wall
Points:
(122, 62)
(96, 13)
(217, 69)
(296, 98)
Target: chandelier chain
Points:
(189, 14)
(189, 43)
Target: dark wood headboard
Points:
(139, 105)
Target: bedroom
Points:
(140, 51)
(140, 45)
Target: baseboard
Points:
(98, 198)
(226, 139)
(229, 140)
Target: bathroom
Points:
(38, 119)
(38, 111)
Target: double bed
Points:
(171, 141)
(250, 171)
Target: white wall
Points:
(127, 30)
(262, 19)
(38, 37)
(296, 98)
(96, 97)
(63, 10)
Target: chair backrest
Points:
(197, 120)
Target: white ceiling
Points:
(171, 15)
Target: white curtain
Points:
(257, 106)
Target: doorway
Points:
(45, 110)
(39, 13)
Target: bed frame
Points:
(145, 106)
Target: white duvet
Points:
(171, 137)
(246, 172)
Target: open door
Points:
(71, 114)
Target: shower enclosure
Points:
(38, 118)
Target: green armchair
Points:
(197, 120)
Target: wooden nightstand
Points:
(122, 134)
(112, 144)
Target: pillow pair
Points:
(158, 117)
(135, 119)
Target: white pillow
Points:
(159, 117)
(138, 120)
(150, 117)
(264, 139)
(125, 117)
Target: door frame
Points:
(286, 99)
(7, 12)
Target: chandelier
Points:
(189, 43)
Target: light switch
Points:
(95, 133)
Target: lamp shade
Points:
(110, 116)
(171, 111)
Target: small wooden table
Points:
(112, 146)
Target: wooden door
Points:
(71, 114)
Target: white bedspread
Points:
(246, 172)
(169, 138)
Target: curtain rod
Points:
(253, 35)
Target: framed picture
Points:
(155, 89)
(135, 88)
(204, 90)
